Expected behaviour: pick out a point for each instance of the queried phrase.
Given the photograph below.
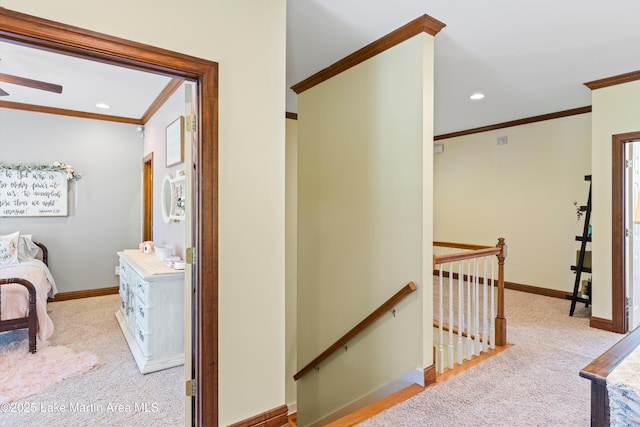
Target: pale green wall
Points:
(247, 39)
(615, 111)
(291, 245)
(522, 191)
(360, 223)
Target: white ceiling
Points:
(84, 83)
(530, 57)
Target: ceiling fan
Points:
(22, 81)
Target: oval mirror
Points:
(166, 198)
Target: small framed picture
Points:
(175, 142)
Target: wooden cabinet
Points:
(151, 311)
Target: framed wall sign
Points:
(33, 193)
(174, 140)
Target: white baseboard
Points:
(292, 408)
(415, 376)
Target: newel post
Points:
(501, 321)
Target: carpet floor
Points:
(533, 383)
(112, 393)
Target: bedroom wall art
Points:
(35, 190)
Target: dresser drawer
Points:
(123, 300)
(125, 271)
(144, 313)
(143, 338)
(123, 285)
(143, 291)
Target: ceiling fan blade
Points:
(36, 84)
(3, 93)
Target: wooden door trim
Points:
(618, 251)
(65, 39)
(147, 197)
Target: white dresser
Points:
(151, 312)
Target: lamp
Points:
(140, 130)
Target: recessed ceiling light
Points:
(476, 96)
(103, 105)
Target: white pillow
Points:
(27, 250)
(9, 248)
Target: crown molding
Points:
(614, 80)
(171, 87)
(534, 119)
(65, 112)
(423, 24)
(162, 97)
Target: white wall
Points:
(615, 111)
(247, 39)
(291, 258)
(522, 191)
(154, 142)
(360, 223)
(104, 205)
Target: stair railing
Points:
(341, 342)
(475, 319)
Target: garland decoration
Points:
(53, 167)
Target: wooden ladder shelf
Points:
(580, 267)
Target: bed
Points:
(25, 285)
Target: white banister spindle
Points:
(476, 308)
(460, 353)
(469, 325)
(485, 306)
(450, 318)
(440, 360)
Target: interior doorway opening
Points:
(147, 198)
(632, 251)
(623, 230)
(60, 38)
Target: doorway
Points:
(67, 40)
(632, 250)
(621, 227)
(147, 198)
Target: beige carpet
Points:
(533, 383)
(113, 393)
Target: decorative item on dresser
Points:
(151, 311)
(25, 284)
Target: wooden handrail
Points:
(456, 245)
(401, 294)
(477, 253)
(599, 369)
(500, 251)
